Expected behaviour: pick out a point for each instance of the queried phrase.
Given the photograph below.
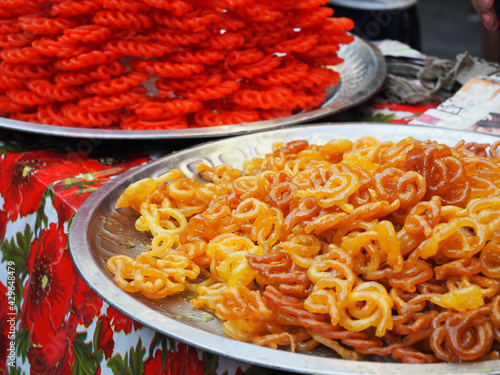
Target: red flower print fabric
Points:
(121, 322)
(4, 328)
(184, 361)
(50, 286)
(3, 222)
(19, 188)
(26, 176)
(56, 356)
(153, 365)
(105, 341)
(85, 303)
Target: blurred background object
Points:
(450, 27)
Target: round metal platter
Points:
(362, 74)
(98, 231)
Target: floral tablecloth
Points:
(50, 320)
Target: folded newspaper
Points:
(467, 89)
(475, 106)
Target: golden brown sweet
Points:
(369, 248)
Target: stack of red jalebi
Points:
(163, 64)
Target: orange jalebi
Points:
(368, 248)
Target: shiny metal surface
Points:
(98, 231)
(362, 74)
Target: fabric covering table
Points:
(50, 320)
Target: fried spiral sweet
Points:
(356, 246)
(273, 60)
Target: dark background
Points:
(450, 27)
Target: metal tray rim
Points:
(225, 346)
(333, 105)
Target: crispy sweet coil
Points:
(165, 64)
(369, 248)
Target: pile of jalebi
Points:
(163, 64)
(369, 248)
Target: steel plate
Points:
(98, 231)
(362, 74)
